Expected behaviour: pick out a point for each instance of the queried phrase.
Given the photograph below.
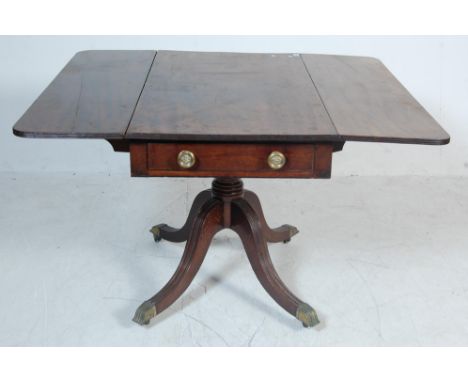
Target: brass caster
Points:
(156, 231)
(307, 315)
(292, 231)
(145, 313)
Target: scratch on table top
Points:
(78, 102)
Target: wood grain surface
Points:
(94, 96)
(367, 103)
(231, 97)
(228, 97)
(303, 160)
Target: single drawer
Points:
(255, 160)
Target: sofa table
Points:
(227, 116)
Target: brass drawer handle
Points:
(186, 159)
(276, 160)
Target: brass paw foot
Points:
(156, 231)
(145, 313)
(307, 315)
(292, 231)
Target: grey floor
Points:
(384, 260)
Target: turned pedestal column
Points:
(225, 205)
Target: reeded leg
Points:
(272, 235)
(205, 225)
(163, 231)
(246, 222)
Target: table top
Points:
(228, 97)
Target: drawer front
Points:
(227, 159)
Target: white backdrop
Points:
(434, 70)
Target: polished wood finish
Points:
(246, 224)
(228, 97)
(271, 235)
(228, 159)
(226, 205)
(230, 111)
(94, 96)
(194, 96)
(178, 235)
(367, 103)
(120, 145)
(205, 225)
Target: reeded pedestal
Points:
(225, 205)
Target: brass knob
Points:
(276, 160)
(186, 159)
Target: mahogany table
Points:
(227, 116)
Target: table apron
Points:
(231, 159)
